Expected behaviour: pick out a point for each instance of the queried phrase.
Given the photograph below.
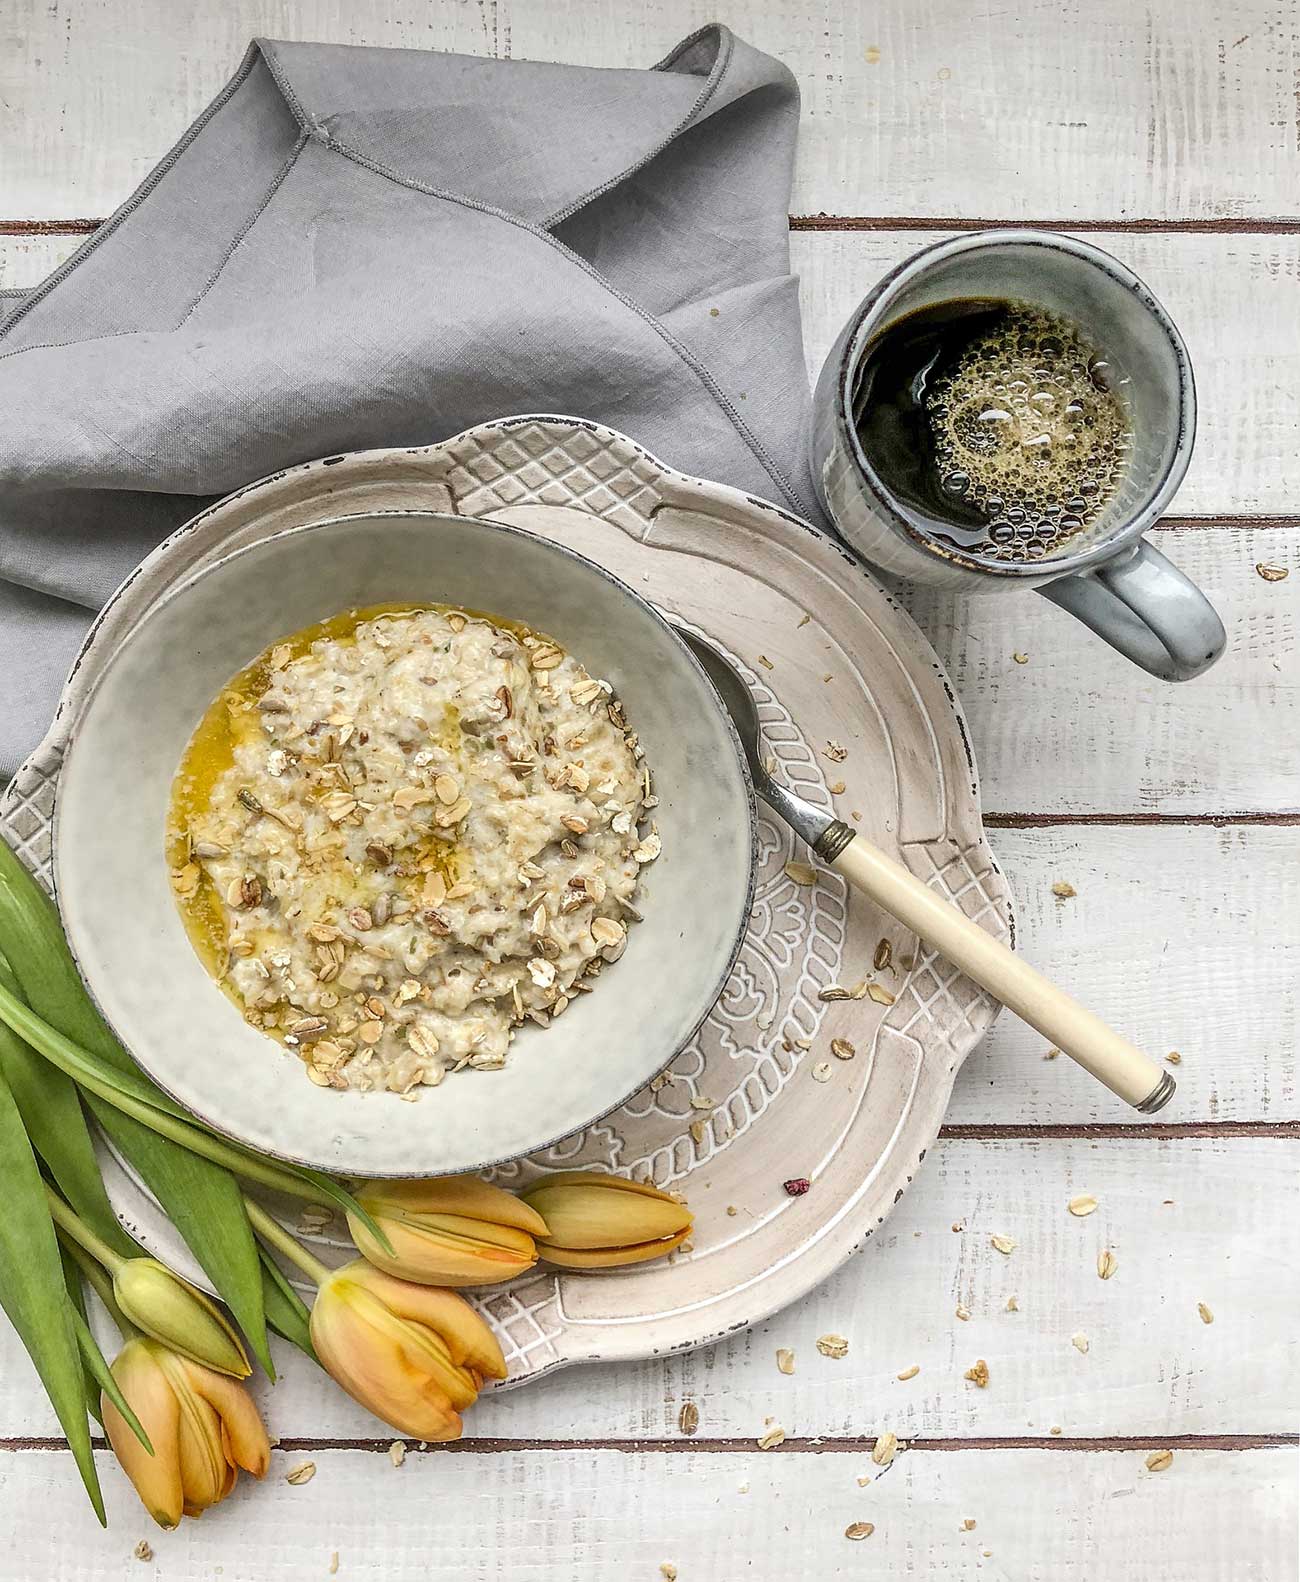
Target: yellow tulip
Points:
(172, 1311)
(202, 1425)
(600, 1221)
(456, 1230)
(414, 1355)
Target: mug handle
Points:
(1141, 604)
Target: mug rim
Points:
(886, 291)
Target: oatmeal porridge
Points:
(401, 834)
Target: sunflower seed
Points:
(1107, 1263)
(1158, 1460)
(1083, 1205)
(885, 1449)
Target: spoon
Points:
(1075, 1031)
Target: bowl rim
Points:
(487, 525)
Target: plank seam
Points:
(856, 1445)
(1117, 1130)
(1280, 820)
(1263, 225)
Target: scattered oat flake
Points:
(1004, 1244)
(1063, 891)
(1158, 1460)
(1107, 1263)
(968, 1525)
(836, 752)
(1020, 659)
(699, 1130)
(863, 1479)
(979, 1374)
(885, 1449)
(842, 1049)
(785, 1359)
(821, 1072)
(142, 1550)
(857, 1530)
(334, 1563)
(771, 1439)
(397, 1452)
(880, 994)
(304, 1472)
(834, 1346)
(1013, 1304)
(803, 622)
(1206, 1316)
(963, 1312)
(668, 1571)
(688, 1419)
(765, 662)
(1173, 1058)
(801, 873)
(1083, 1205)
(1051, 1054)
(1080, 1344)
(837, 788)
(1271, 573)
(908, 1373)
(700, 1102)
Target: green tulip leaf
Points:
(51, 1112)
(286, 1312)
(34, 1294)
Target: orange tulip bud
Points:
(454, 1230)
(599, 1221)
(203, 1427)
(414, 1355)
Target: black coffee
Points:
(996, 425)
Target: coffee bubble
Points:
(1035, 424)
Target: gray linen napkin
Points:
(359, 247)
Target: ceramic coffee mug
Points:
(1107, 575)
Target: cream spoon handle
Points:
(1075, 1031)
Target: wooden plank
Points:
(535, 1516)
(1186, 938)
(1233, 297)
(1153, 1366)
(911, 107)
(1243, 341)
(1077, 730)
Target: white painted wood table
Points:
(1170, 131)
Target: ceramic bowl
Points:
(122, 921)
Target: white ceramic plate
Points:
(127, 934)
(756, 581)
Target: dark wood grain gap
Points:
(1280, 225)
(49, 227)
(1173, 820)
(856, 1444)
(1119, 1130)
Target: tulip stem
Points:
(101, 1284)
(273, 1233)
(81, 1233)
